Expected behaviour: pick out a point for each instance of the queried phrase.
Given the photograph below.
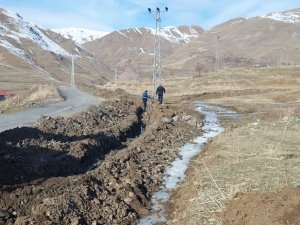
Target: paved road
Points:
(75, 101)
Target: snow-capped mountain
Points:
(13, 29)
(131, 48)
(287, 16)
(80, 35)
(270, 40)
(35, 49)
(181, 34)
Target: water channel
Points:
(175, 173)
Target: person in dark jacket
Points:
(160, 93)
(145, 97)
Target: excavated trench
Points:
(91, 168)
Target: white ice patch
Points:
(175, 173)
(287, 17)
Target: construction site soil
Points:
(95, 167)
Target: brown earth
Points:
(253, 165)
(92, 168)
(260, 209)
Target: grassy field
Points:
(29, 88)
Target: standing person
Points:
(145, 97)
(160, 93)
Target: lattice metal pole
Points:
(218, 54)
(72, 73)
(116, 76)
(157, 72)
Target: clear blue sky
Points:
(109, 15)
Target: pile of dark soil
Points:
(93, 168)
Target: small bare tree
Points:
(199, 67)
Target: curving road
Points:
(75, 101)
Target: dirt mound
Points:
(270, 208)
(93, 168)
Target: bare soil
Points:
(268, 208)
(93, 168)
(97, 167)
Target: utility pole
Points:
(217, 66)
(116, 77)
(72, 73)
(157, 73)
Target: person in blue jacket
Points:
(145, 97)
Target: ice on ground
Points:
(175, 173)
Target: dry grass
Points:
(260, 154)
(36, 95)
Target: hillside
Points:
(26, 48)
(271, 40)
(131, 50)
(80, 35)
(223, 148)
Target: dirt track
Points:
(93, 168)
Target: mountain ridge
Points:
(267, 40)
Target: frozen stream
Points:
(175, 173)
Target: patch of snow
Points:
(80, 35)
(122, 34)
(286, 17)
(14, 37)
(16, 51)
(30, 31)
(11, 14)
(142, 51)
(236, 21)
(137, 30)
(174, 35)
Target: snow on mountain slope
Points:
(13, 29)
(181, 34)
(287, 17)
(79, 35)
(176, 35)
